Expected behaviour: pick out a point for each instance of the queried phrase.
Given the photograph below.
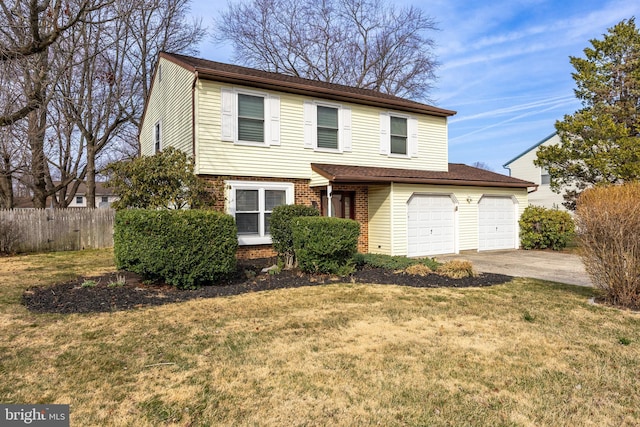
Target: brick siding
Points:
(303, 195)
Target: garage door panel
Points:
(430, 225)
(496, 223)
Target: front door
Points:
(342, 205)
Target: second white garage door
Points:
(496, 223)
(431, 225)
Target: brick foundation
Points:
(303, 195)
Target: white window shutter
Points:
(412, 131)
(274, 122)
(309, 124)
(228, 114)
(385, 125)
(346, 129)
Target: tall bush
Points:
(325, 245)
(186, 248)
(608, 224)
(281, 232)
(542, 228)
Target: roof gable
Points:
(536, 145)
(235, 74)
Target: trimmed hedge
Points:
(281, 233)
(542, 228)
(185, 248)
(325, 245)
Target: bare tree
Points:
(482, 165)
(369, 44)
(29, 28)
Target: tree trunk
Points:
(91, 175)
(6, 184)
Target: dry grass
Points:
(527, 353)
(457, 269)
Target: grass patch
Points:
(340, 354)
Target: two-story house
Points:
(382, 160)
(522, 167)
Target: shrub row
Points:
(186, 248)
(542, 228)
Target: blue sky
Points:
(504, 66)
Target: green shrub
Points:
(281, 232)
(542, 228)
(397, 262)
(185, 248)
(608, 224)
(325, 245)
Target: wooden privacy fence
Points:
(41, 230)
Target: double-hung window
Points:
(327, 126)
(398, 135)
(251, 203)
(249, 117)
(327, 132)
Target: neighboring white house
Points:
(104, 196)
(522, 167)
(353, 153)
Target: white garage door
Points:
(497, 223)
(431, 226)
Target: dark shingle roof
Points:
(458, 174)
(219, 71)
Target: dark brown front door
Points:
(342, 204)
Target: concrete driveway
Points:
(545, 265)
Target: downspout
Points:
(329, 208)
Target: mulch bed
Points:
(73, 297)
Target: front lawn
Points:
(524, 353)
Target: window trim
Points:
(413, 125)
(338, 109)
(265, 100)
(157, 137)
(406, 147)
(310, 118)
(262, 238)
(229, 129)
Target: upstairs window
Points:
(79, 200)
(545, 178)
(250, 118)
(156, 137)
(398, 135)
(327, 127)
(327, 132)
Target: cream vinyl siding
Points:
(170, 105)
(380, 224)
(524, 168)
(291, 159)
(467, 214)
